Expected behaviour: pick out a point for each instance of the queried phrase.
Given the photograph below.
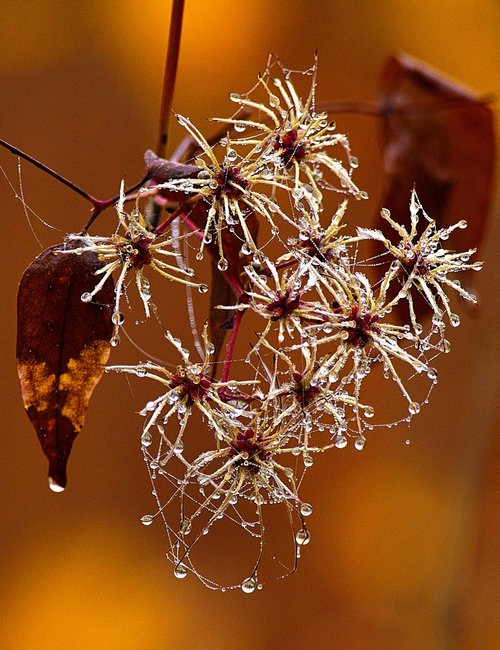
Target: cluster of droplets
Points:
(326, 325)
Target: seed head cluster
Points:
(229, 443)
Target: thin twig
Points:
(174, 39)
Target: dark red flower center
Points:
(142, 256)
(288, 148)
(364, 327)
(283, 305)
(193, 390)
(247, 442)
(230, 183)
(304, 392)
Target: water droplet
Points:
(141, 371)
(308, 461)
(303, 537)
(86, 297)
(235, 97)
(454, 320)
(246, 249)
(414, 408)
(248, 585)
(146, 439)
(477, 266)
(432, 374)
(306, 509)
(180, 571)
(114, 341)
(203, 288)
(239, 127)
(54, 486)
(359, 443)
(354, 162)
(340, 442)
(222, 264)
(147, 520)
(446, 346)
(117, 318)
(407, 442)
(369, 412)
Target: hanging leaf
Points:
(438, 136)
(62, 346)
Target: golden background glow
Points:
(404, 545)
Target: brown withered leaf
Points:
(438, 136)
(62, 346)
(164, 170)
(220, 320)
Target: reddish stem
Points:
(231, 345)
(50, 172)
(174, 40)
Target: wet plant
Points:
(228, 443)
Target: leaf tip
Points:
(55, 486)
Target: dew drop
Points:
(114, 341)
(432, 374)
(141, 371)
(203, 288)
(302, 537)
(454, 320)
(369, 412)
(235, 97)
(146, 439)
(359, 443)
(147, 520)
(222, 265)
(306, 509)
(414, 408)
(354, 162)
(239, 127)
(54, 486)
(340, 442)
(308, 461)
(180, 571)
(86, 297)
(248, 586)
(117, 318)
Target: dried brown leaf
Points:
(62, 346)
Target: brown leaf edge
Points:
(62, 347)
(439, 137)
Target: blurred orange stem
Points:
(174, 40)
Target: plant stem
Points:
(49, 171)
(230, 346)
(174, 39)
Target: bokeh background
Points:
(405, 537)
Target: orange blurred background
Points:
(405, 539)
